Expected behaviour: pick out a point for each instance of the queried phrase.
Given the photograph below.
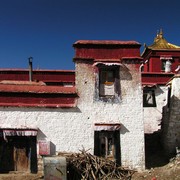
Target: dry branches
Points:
(85, 166)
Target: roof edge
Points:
(105, 42)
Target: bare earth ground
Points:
(20, 176)
(170, 171)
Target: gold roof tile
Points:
(161, 43)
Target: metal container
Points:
(55, 168)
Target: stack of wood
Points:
(86, 166)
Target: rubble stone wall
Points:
(172, 121)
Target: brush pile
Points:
(85, 166)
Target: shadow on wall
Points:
(45, 146)
(171, 115)
(52, 148)
(154, 152)
(125, 74)
(41, 135)
(158, 91)
(35, 109)
(124, 130)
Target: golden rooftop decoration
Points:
(161, 43)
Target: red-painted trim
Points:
(19, 129)
(38, 105)
(156, 78)
(106, 53)
(133, 57)
(37, 89)
(37, 100)
(104, 42)
(37, 71)
(38, 75)
(107, 60)
(157, 73)
(107, 124)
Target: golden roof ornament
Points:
(161, 43)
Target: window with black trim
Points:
(163, 64)
(149, 99)
(107, 144)
(109, 81)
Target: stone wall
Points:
(128, 112)
(171, 122)
(71, 129)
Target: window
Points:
(166, 62)
(169, 97)
(149, 98)
(109, 81)
(107, 144)
(166, 66)
(163, 64)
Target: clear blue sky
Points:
(46, 29)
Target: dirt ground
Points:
(169, 171)
(21, 176)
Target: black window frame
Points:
(116, 76)
(151, 93)
(163, 63)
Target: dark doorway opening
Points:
(154, 153)
(107, 144)
(18, 153)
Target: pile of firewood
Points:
(85, 166)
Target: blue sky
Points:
(46, 29)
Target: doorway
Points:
(107, 144)
(18, 153)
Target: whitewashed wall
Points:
(128, 112)
(153, 115)
(71, 129)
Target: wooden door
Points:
(21, 154)
(20, 159)
(18, 153)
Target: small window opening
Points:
(166, 65)
(108, 81)
(163, 64)
(149, 99)
(169, 97)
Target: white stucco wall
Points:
(128, 112)
(153, 115)
(72, 129)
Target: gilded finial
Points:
(161, 31)
(157, 32)
(159, 35)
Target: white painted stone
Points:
(153, 115)
(72, 129)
